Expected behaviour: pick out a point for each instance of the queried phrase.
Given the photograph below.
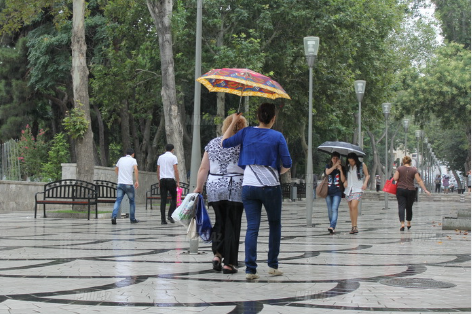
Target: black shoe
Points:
(113, 221)
(408, 227)
(134, 221)
(331, 230)
(402, 229)
(232, 270)
(171, 219)
(216, 263)
(163, 222)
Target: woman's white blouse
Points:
(354, 185)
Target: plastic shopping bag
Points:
(203, 220)
(192, 233)
(186, 211)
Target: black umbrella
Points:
(342, 148)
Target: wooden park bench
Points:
(67, 192)
(154, 193)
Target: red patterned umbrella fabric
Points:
(242, 82)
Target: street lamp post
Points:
(418, 136)
(311, 45)
(386, 111)
(196, 150)
(430, 152)
(405, 127)
(359, 87)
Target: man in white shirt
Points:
(124, 169)
(168, 180)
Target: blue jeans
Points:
(332, 201)
(253, 199)
(120, 193)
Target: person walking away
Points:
(264, 157)
(124, 169)
(377, 183)
(406, 191)
(224, 178)
(437, 181)
(335, 172)
(168, 180)
(315, 185)
(468, 180)
(445, 183)
(355, 184)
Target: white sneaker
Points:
(252, 276)
(275, 272)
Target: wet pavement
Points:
(57, 265)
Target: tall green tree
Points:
(455, 18)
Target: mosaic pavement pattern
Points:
(77, 266)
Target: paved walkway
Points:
(77, 266)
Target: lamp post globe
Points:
(359, 87)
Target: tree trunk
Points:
(101, 137)
(125, 137)
(161, 13)
(375, 167)
(220, 112)
(153, 152)
(84, 146)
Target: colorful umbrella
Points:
(242, 82)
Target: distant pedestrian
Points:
(445, 183)
(377, 182)
(437, 182)
(168, 179)
(124, 169)
(355, 184)
(468, 180)
(406, 190)
(315, 185)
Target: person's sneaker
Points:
(252, 276)
(113, 221)
(171, 219)
(134, 221)
(275, 272)
(163, 222)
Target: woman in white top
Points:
(223, 176)
(355, 184)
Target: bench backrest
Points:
(69, 189)
(105, 189)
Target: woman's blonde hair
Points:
(406, 160)
(241, 124)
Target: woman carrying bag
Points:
(335, 173)
(406, 191)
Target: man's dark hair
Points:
(169, 147)
(130, 151)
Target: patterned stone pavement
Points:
(57, 265)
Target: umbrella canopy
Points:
(342, 148)
(242, 82)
